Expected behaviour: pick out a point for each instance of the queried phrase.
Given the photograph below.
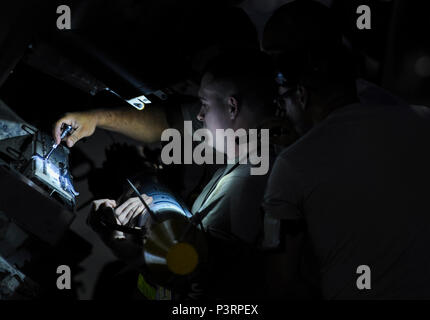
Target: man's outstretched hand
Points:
(83, 123)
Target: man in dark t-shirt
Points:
(355, 185)
(359, 180)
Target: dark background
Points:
(160, 45)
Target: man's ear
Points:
(233, 107)
(302, 96)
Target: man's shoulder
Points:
(240, 179)
(243, 172)
(331, 131)
(236, 183)
(319, 137)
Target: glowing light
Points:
(139, 102)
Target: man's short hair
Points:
(252, 75)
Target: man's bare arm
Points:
(146, 125)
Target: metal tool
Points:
(67, 130)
